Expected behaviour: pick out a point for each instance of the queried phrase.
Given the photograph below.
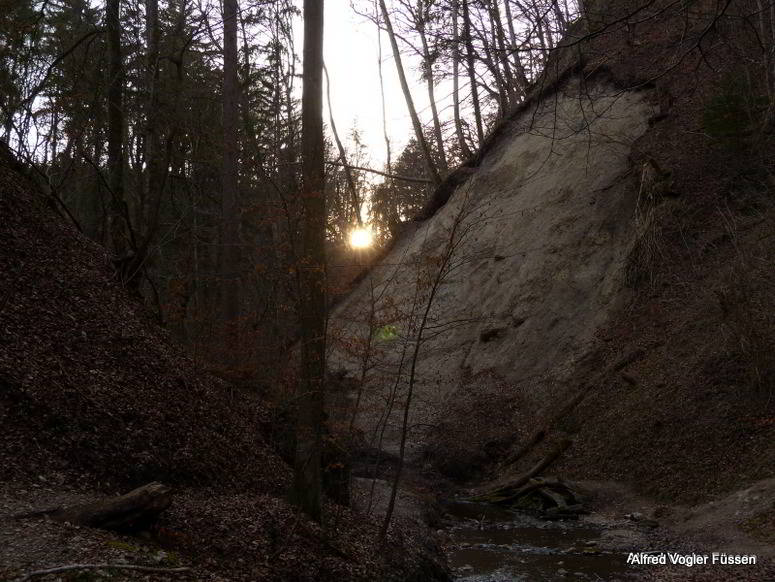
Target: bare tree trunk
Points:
(456, 234)
(492, 64)
(510, 24)
(309, 427)
(499, 38)
(582, 8)
(342, 154)
(464, 149)
(518, 66)
(432, 96)
(367, 354)
(540, 31)
(562, 20)
(230, 221)
(117, 224)
(382, 91)
(102, 223)
(472, 71)
(492, 61)
(264, 243)
(152, 139)
(433, 173)
(179, 45)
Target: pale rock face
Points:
(541, 234)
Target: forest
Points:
(475, 290)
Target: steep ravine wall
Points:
(532, 249)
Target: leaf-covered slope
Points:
(89, 385)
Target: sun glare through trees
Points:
(361, 238)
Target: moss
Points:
(172, 559)
(124, 546)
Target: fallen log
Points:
(541, 433)
(537, 437)
(534, 484)
(135, 511)
(507, 492)
(543, 464)
(550, 498)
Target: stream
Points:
(492, 544)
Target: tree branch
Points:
(58, 60)
(58, 569)
(362, 169)
(392, 176)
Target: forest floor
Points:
(211, 536)
(96, 399)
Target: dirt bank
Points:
(602, 275)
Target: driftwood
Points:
(131, 512)
(550, 497)
(526, 485)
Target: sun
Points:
(361, 238)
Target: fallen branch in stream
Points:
(503, 495)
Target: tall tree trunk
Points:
(464, 149)
(422, 14)
(435, 280)
(230, 221)
(389, 162)
(433, 173)
(151, 189)
(492, 64)
(343, 155)
(518, 66)
(309, 427)
(472, 71)
(510, 25)
(562, 21)
(179, 44)
(264, 244)
(118, 226)
(539, 22)
(512, 87)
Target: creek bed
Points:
(491, 544)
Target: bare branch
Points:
(58, 569)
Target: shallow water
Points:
(491, 544)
